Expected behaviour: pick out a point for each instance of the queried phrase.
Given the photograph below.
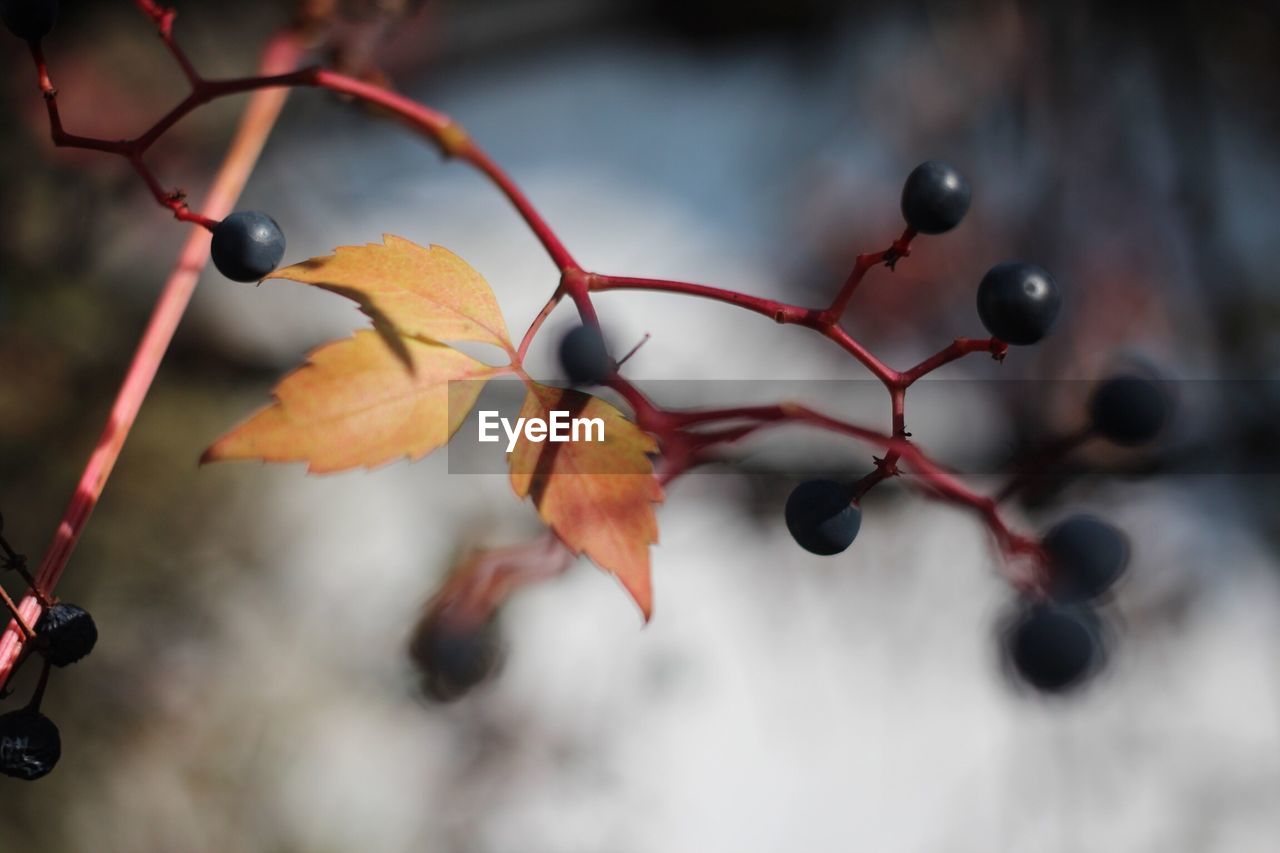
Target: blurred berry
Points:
(1086, 557)
(584, 356)
(30, 745)
(1054, 648)
(454, 657)
(1129, 410)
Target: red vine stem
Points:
(489, 577)
(163, 19)
(527, 340)
(19, 620)
(478, 158)
(901, 248)
(959, 348)
(820, 320)
(1053, 451)
(259, 118)
(779, 312)
(936, 478)
(439, 128)
(685, 449)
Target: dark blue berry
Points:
(1054, 648)
(821, 517)
(247, 246)
(66, 633)
(1018, 302)
(455, 656)
(1129, 410)
(585, 357)
(30, 745)
(31, 20)
(1086, 557)
(935, 197)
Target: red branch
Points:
(684, 446)
(959, 348)
(487, 578)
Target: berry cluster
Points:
(1056, 640)
(1017, 303)
(30, 745)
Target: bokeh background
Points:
(252, 691)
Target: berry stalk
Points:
(958, 348)
(163, 19)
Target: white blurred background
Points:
(251, 690)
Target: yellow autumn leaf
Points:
(361, 402)
(598, 496)
(428, 293)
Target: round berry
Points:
(585, 357)
(453, 656)
(66, 633)
(1086, 557)
(1018, 302)
(821, 517)
(935, 197)
(1054, 648)
(247, 246)
(1129, 410)
(29, 19)
(30, 745)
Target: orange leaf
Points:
(597, 496)
(426, 293)
(361, 402)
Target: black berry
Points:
(454, 656)
(1054, 648)
(29, 745)
(29, 19)
(66, 633)
(1129, 410)
(821, 517)
(247, 246)
(584, 356)
(935, 197)
(1086, 557)
(1018, 302)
